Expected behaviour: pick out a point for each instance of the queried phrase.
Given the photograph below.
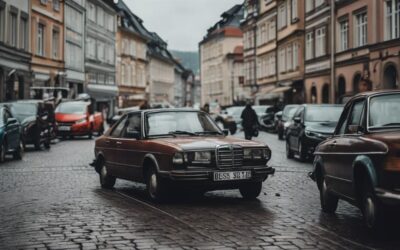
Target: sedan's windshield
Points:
(384, 111)
(72, 108)
(289, 112)
(180, 123)
(323, 113)
(23, 110)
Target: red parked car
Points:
(76, 118)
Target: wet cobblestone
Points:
(52, 200)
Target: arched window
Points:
(356, 81)
(314, 95)
(325, 93)
(341, 86)
(390, 80)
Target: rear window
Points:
(72, 108)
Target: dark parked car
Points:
(37, 121)
(361, 163)
(312, 125)
(10, 135)
(179, 148)
(285, 120)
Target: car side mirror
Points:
(132, 134)
(297, 120)
(355, 129)
(11, 121)
(226, 132)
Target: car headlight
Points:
(203, 157)
(257, 154)
(83, 120)
(177, 159)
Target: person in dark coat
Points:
(249, 121)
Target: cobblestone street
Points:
(53, 200)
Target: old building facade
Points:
(367, 44)
(215, 67)
(318, 51)
(74, 23)
(266, 52)
(100, 54)
(15, 75)
(132, 61)
(47, 43)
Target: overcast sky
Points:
(182, 23)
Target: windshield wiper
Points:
(209, 133)
(179, 132)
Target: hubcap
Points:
(369, 212)
(153, 184)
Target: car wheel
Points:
(250, 191)
(47, 144)
(37, 143)
(106, 180)
(156, 188)
(329, 202)
(3, 152)
(19, 154)
(302, 151)
(289, 152)
(372, 208)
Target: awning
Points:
(280, 90)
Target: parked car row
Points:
(38, 122)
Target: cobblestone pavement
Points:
(52, 200)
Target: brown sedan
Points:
(178, 148)
(361, 162)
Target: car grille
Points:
(229, 156)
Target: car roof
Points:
(165, 110)
(377, 92)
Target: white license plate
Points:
(64, 128)
(235, 175)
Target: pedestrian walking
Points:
(249, 122)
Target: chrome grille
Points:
(229, 156)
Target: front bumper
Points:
(76, 130)
(388, 197)
(204, 177)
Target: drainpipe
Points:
(333, 51)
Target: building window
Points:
(309, 45)
(56, 44)
(43, 1)
(319, 3)
(295, 10)
(100, 16)
(91, 48)
(309, 5)
(272, 30)
(282, 60)
(282, 17)
(320, 42)
(289, 58)
(40, 40)
(100, 51)
(91, 12)
(295, 55)
(2, 23)
(13, 32)
(23, 31)
(56, 5)
(110, 23)
(344, 35)
(392, 19)
(360, 33)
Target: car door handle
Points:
(119, 143)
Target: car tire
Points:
(19, 154)
(106, 180)
(37, 143)
(329, 202)
(3, 152)
(302, 152)
(289, 152)
(372, 209)
(250, 191)
(155, 186)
